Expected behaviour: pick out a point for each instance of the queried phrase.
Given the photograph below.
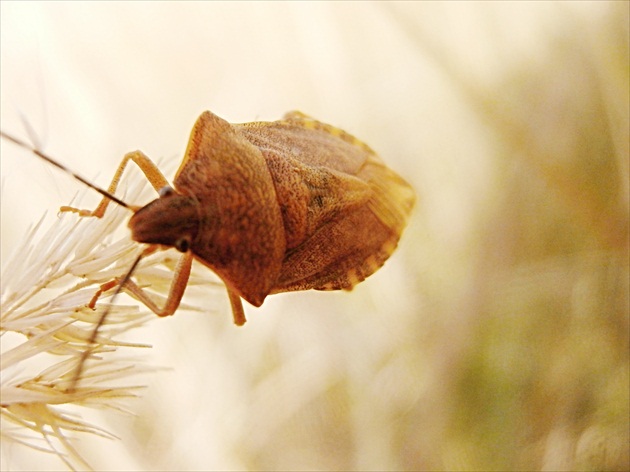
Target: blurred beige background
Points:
(497, 335)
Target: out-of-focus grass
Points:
(535, 374)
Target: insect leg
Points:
(237, 308)
(103, 288)
(176, 292)
(150, 170)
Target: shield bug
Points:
(270, 207)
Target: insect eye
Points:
(166, 191)
(182, 244)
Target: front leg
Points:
(150, 170)
(176, 292)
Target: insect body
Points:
(270, 207)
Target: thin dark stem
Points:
(92, 341)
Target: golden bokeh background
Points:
(496, 337)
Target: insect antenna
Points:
(92, 340)
(57, 164)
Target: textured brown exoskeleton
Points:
(270, 207)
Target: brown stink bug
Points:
(270, 207)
